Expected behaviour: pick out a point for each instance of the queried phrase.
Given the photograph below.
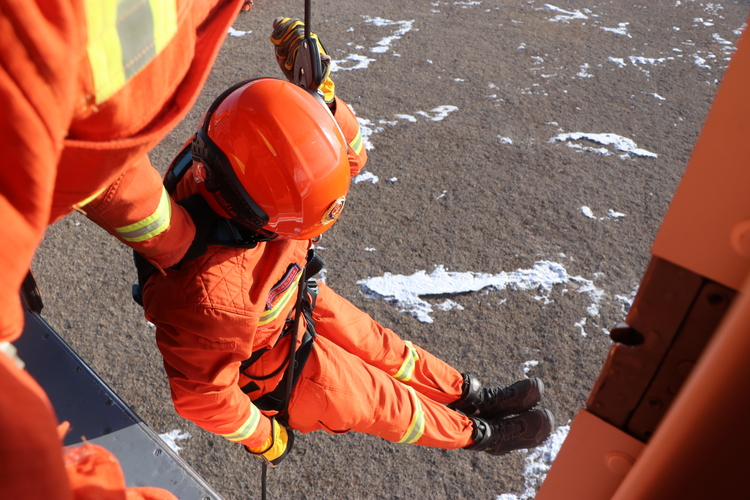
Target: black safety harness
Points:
(276, 400)
(228, 233)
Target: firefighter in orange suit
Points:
(268, 171)
(87, 87)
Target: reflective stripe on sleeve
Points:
(151, 226)
(406, 371)
(123, 37)
(274, 312)
(357, 143)
(246, 430)
(416, 427)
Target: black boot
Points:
(499, 436)
(497, 402)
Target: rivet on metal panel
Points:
(655, 403)
(717, 300)
(740, 238)
(157, 452)
(619, 463)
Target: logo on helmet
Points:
(333, 211)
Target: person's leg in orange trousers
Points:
(356, 332)
(339, 392)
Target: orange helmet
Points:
(273, 158)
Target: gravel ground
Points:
(483, 121)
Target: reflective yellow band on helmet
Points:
(357, 143)
(416, 427)
(246, 430)
(151, 226)
(274, 312)
(406, 371)
(123, 37)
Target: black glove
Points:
(288, 35)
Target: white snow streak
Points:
(528, 365)
(170, 438)
(368, 127)
(406, 291)
(565, 15)
(366, 176)
(448, 304)
(538, 463)
(381, 46)
(619, 142)
(439, 113)
(622, 29)
(238, 33)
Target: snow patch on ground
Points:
(622, 29)
(406, 292)
(618, 142)
(565, 15)
(170, 438)
(358, 61)
(528, 365)
(610, 213)
(448, 304)
(538, 462)
(234, 32)
(369, 127)
(366, 176)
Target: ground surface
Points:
(460, 101)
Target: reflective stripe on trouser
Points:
(357, 142)
(406, 371)
(247, 428)
(357, 333)
(123, 37)
(151, 226)
(338, 392)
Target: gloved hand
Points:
(277, 446)
(287, 36)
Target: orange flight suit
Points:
(72, 128)
(217, 310)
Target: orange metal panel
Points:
(701, 449)
(592, 462)
(707, 226)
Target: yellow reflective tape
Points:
(406, 371)
(151, 226)
(103, 48)
(416, 427)
(246, 430)
(165, 22)
(274, 312)
(123, 36)
(357, 142)
(89, 199)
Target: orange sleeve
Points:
(137, 210)
(37, 92)
(353, 135)
(203, 370)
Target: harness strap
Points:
(277, 399)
